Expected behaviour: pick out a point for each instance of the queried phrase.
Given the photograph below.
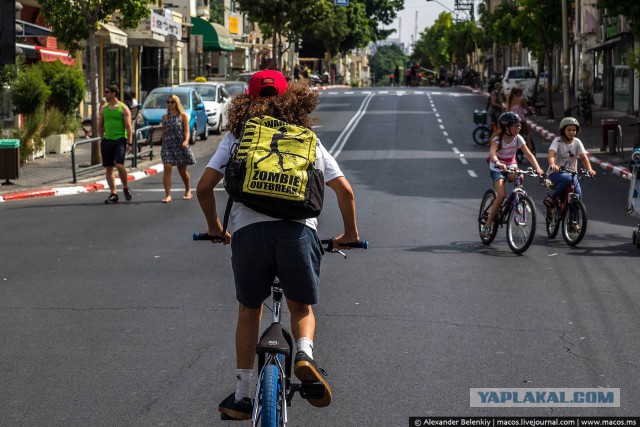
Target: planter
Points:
(36, 153)
(58, 143)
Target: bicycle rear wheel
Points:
(485, 206)
(271, 413)
(552, 221)
(521, 225)
(574, 223)
(481, 135)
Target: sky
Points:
(428, 11)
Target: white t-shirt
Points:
(507, 151)
(567, 154)
(241, 216)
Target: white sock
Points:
(305, 344)
(243, 383)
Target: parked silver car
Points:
(216, 102)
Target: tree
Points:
(385, 60)
(74, 21)
(536, 24)
(432, 48)
(278, 17)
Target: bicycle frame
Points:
(569, 195)
(273, 348)
(511, 202)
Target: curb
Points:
(84, 188)
(548, 135)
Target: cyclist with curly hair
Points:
(502, 155)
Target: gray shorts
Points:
(288, 249)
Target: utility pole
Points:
(566, 103)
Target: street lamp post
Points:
(565, 58)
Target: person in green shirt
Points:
(116, 132)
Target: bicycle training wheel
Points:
(481, 135)
(270, 414)
(552, 221)
(574, 223)
(521, 225)
(485, 206)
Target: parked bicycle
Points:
(517, 212)
(274, 390)
(482, 133)
(583, 109)
(568, 209)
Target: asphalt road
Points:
(111, 315)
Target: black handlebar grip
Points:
(202, 236)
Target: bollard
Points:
(612, 141)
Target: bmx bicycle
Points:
(482, 133)
(275, 391)
(568, 209)
(517, 213)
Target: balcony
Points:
(202, 9)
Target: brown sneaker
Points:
(306, 370)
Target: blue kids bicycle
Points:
(275, 391)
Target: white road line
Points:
(439, 119)
(471, 173)
(337, 146)
(455, 150)
(348, 93)
(449, 141)
(445, 133)
(441, 127)
(332, 93)
(463, 161)
(383, 92)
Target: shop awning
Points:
(115, 34)
(215, 36)
(51, 55)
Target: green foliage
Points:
(67, 85)
(628, 8)
(216, 12)
(385, 61)
(72, 20)
(29, 92)
(432, 48)
(30, 137)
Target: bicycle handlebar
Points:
(329, 243)
(360, 244)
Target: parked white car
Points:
(522, 77)
(216, 102)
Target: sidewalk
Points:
(591, 136)
(53, 176)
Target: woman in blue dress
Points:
(175, 147)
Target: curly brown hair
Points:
(293, 106)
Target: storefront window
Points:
(621, 79)
(111, 67)
(598, 77)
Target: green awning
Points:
(215, 36)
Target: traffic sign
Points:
(342, 2)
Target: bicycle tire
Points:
(487, 201)
(576, 216)
(521, 225)
(552, 222)
(481, 135)
(588, 118)
(270, 413)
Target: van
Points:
(522, 77)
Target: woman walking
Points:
(175, 147)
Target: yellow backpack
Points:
(272, 170)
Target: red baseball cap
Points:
(267, 78)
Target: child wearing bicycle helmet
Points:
(502, 155)
(565, 151)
